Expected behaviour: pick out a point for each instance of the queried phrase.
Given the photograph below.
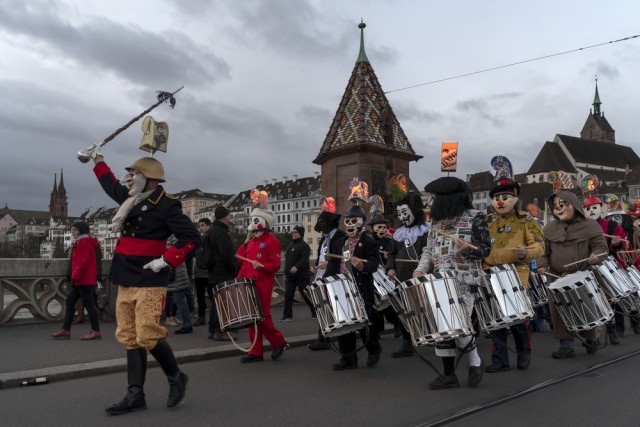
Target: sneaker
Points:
(319, 345)
(92, 335)
(475, 374)
(286, 319)
(172, 321)
(343, 365)
(497, 367)
(564, 353)
(278, 352)
(444, 381)
(250, 358)
(592, 346)
(60, 334)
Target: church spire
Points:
(596, 101)
(362, 56)
(61, 190)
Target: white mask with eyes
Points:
(405, 215)
(353, 225)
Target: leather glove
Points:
(156, 265)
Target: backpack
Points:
(204, 255)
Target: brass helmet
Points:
(150, 168)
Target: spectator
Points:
(201, 275)
(297, 273)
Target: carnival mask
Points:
(380, 230)
(504, 203)
(135, 181)
(256, 224)
(594, 211)
(353, 225)
(405, 215)
(562, 209)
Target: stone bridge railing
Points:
(34, 290)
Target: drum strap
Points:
(337, 349)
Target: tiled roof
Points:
(481, 181)
(22, 217)
(197, 193)
(551, 158)
(282, 190)
(363, 117)
(599, 153)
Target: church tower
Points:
(58, 205)
(597, 128)
(365, 139)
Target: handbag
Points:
(102, 297)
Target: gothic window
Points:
(386, 125)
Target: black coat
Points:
(366, 249)
(335, 247)
(297, 255)
(145, 232)
(225, 265)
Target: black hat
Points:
(221, 212)
(82, 227)
(446, 185)
(299, 229)
(505, 185)
(378, 219)
(356, 211)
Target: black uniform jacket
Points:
(366, 249)
(145, 232)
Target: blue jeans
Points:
(180, 298)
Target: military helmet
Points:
(149, 167)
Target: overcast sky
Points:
(263, 80)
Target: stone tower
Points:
(596, 127)
(58, 204)
(365, 139)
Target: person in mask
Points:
(570, 237)
(263, 249)
(141, 268)
(455, 227)
(331, 243)
(361, 264)
(408, 241)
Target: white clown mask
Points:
(405, 215)
(353, 225)
(135, 181)
(256, 225)
(504, 203)
(594, 211)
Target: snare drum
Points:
(614, 281)
(433, 309)
(502, 301)
(382, 287)
(537, 290)
(338, 304)
(580, 302)
(237, 304)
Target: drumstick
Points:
(552, 275)
(629, 252)
(341, 257)
(454, 237)
(406, 260)
(583, 260)
(510, 249)
(246, 259)
(621, 239)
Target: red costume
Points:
(617, 231)
(266, 250)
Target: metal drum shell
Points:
(382, 287)
(614, 280)
(537, 290)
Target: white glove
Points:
(156, 265)
(94, 151)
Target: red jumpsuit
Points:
(617, 231)
(266, 250)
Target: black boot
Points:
(177, 379)
(136, 373)
(405, 350)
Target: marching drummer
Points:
(572, 243)
(458, 241)
(259, 259)
(516, 238)
(361, 263)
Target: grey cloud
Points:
(601, 69)
(128, 52)
(480, 108)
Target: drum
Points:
(537, 290)
(630, 306)
(338, 304)
(382, 287)
(502, 300)
(238, 304)
(580, 302)
(614, 281)
(433, 309)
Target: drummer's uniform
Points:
(564, 244)
(141, 292)
(365, 248)
(440, 255)
(513, 229)
(266, 250)
(385, 245)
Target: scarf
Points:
(410, 233)
(125, 208)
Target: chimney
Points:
(295, 178)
